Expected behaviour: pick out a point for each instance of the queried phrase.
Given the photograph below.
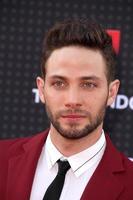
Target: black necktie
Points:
(54, 190)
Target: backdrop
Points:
(22, 28)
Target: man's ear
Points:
(113, 90)
(40, 86)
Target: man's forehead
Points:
(69, 53)
(84, 63)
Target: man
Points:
(77, 85)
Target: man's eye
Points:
(88, 85)
(58, 84)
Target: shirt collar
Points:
(77, 161)
(52, 153)
(85, 159)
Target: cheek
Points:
(53, 100)
(95, 101)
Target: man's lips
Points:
(72, 116)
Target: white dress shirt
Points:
(82, 164)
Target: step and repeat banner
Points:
(22, 28)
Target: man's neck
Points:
(69, 147)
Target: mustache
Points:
(73, 111)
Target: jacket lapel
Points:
(22, 168)
(104, 183)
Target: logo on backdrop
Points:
(116, 35)
(122, 101)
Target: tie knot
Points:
(63, 166)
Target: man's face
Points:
(75, 91)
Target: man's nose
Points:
(73, 99)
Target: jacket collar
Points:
(24, 163)
(104, 183)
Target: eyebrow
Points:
(95, 78)
(57, 77)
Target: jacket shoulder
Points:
(9, 146)
(127, 163)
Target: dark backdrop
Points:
(22, 28)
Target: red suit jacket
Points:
(112, 180)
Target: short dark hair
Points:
(80, 32)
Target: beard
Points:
(73, 131)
